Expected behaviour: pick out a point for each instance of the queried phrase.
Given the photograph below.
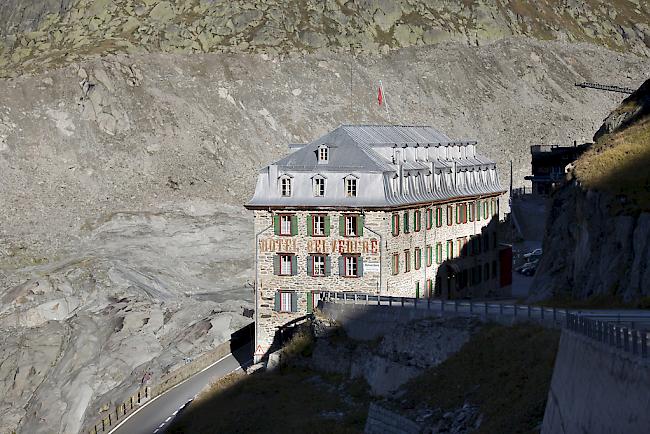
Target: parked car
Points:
(528, 269)
(534, 254)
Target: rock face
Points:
(597, 239)
(393, 359)
(53, 33)
(142, 292)
(590, 252)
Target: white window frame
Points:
(315, 298)
(286, 187)
(318, 225)
(351, 186)
(285, 265)
(285, 301)
(318, 270)
(285, 224)
(323, 154)
(351, 223)
(351, 264)
(319, 186)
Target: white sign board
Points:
(371, 267)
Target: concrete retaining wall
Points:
(597, 389)
(382, 421)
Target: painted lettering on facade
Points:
(340, 246)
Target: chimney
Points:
(273, 175)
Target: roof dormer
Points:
(323, 154)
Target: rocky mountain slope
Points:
(598, 231)
(51, 33)
(126, 152)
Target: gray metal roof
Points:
(365, 151)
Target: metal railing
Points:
(547, 316)
(627, 339)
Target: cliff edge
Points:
(597, 241)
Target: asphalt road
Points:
(158, 413)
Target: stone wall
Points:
(597, 389)
(376, 247)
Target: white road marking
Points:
(146, 404)
(167, 420)
(156, 430)
(161, 425)
(174, 413)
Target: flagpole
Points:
(384, 100)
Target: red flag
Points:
(380, 96)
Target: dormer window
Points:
(285, 186)
(323, 154)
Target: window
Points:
(406, 222)
(351, 187)
(323, 154)
(395, 264)
(461, 213)
(461, 244)
(313, 297)
(485, 209)
(450, 215)
(429, 218)
(418, 258)
(477, 205)
(351, 266)
(450, 249)
(439, 253)
(286, 301)
(285, 186)
(438, 217)
(395, 224)
(351, 226)
(285, 225)
(471, 211)
(319, 187)
(417, 220)
(319, 225)
(407, 261)
(285, 265)
(318, 265)
(429, 256)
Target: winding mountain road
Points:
(157, 414)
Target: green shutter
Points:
(294, 302)
(360, 267)
(310, 226)
(310, 265)
(342, 226)
(341, 265)
(294, 225)
(406, 222)
(360, 220)
(294, 265)
(394, 222)
(276, 224)
(310, 302)
(276, 265)
(328, 265)
(276, 306)
(327, 225)
(417, 289)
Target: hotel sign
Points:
(343, 245)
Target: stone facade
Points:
(376, 246)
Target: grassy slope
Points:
(619, 162)
(506, 371)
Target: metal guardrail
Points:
(548, 316)
(627, 339)
(606, 87)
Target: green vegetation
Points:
(292, 398)
(618, 162)
(506, 371)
